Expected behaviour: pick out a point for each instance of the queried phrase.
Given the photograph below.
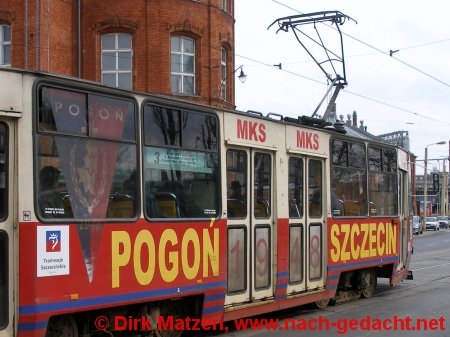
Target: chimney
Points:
(355, 119)
(349, 120)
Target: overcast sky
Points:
(409, 91)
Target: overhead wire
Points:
(348, 91)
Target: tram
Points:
(118, 204)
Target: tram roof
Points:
(358, 133)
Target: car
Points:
(432, 223)
(443, 221)
(417, 225)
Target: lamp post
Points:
(425, 184)
(242, 77)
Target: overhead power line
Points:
(348, 91)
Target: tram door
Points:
(7, 248)
(250, 217)
(307, 218)
(404, 218)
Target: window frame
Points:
(224, 70)
(348, 161)
(43, 129)
(4, 176)
(181, 76)
(387, 172)
(173, 187)
(296, 177)
(3, 45)
(4, 278)
(118, 53)
(225, 5)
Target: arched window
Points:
(117, 56)
(183, 65)
(5, 45)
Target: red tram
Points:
(122, 204)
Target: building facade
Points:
(173, 47)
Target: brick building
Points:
(173, 47)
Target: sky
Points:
(408, 91)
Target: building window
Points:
(117, 55)
(223, 66)
(226, 5)
(5, 45)
(183, 65)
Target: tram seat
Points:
(120, 209)
(338, 208)
(351, 208)
(372, 209)
(167, 204)
(120, 206)
(236, 208)
(261, 209)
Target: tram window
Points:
(383, 182)
(63, 111)
(348, 179)
(195, 127)
(236, 184)
(375, 161)
(4, 279)
(296, 253)
(315, 189)
(295, 187)
(315, 251)
(81, 173)
(180, 182)
(237, 259)
(389, 161)
(339, 150)
(262, 261)
(81, 114)
(3, 171)
(162, 126)
(262, 196)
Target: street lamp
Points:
(242, 77)
(425, 183)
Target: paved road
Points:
(426, 298)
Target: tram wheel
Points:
(175, 309)
(322, 304)
(62, 326)
(369, 279)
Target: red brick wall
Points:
(51, 36)
(151, 23)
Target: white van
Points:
(417, 225)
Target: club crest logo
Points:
(86, 177)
